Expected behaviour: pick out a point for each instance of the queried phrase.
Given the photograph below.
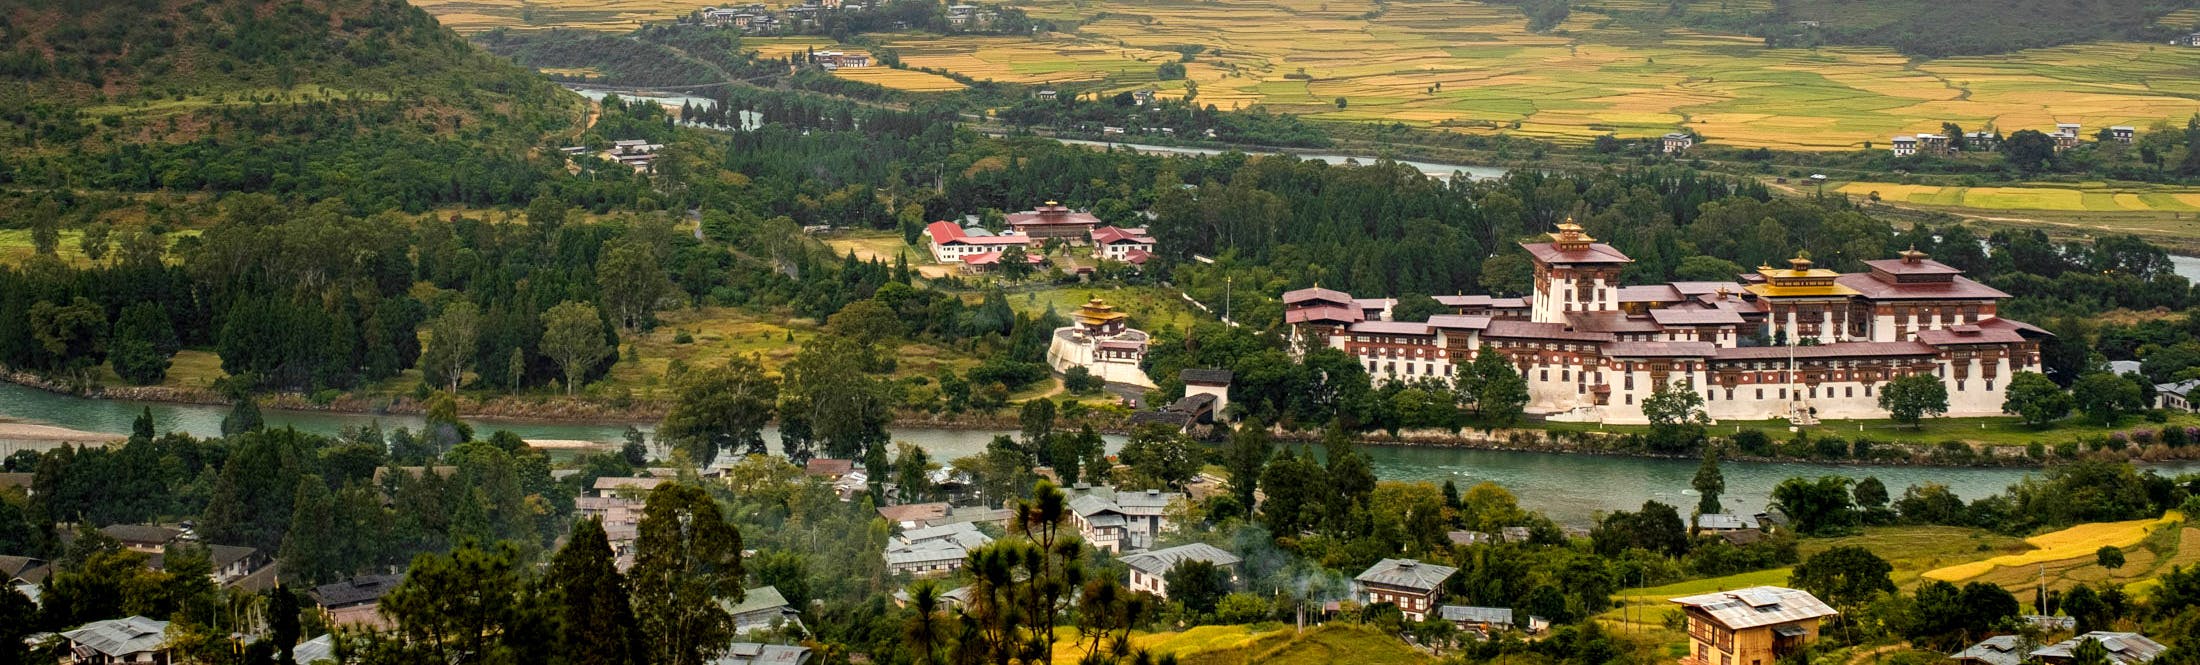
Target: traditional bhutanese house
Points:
(1574, 273)
(1837, 379)
(147, 538)
(1481, 305)
(1211, 382)
(1053, 220)
(1805, 303)
(952, 244)
(356, 601)
(933, 551)
(1996, 650)
(1753, 626)
(762, 608)
(1932, 144)
(1484, 620)
(16, 570)
(1718, 522)
(1981, 141)
(1116, 244)
(1148, 569)
(627, 487)
(1396, 350)
(1914, 292)
(1411, 585)
(1905, 145)
(755, 653)
(829, 469)
(131, 640)
(2122, 648)
(1676, 142)
(2122, 133)
(913, 515)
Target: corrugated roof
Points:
(1316, 294)
(1556, 332)
(1609, 321)
(1502, 616)
(1839, 350)
(2123, 648)
(1159, 562)
(1996, 650)
(120, 637)
(1957, 288)
(1692, 316)
(1458, 322)
(1548, 252)
(1325, 313)
(1661, 349)
(1207, 376)
(760, 599)
(1392, 328)
(1406, 574)
(364, 588)
(1759, 606)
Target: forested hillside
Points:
(366, 100)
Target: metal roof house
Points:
(131, 640)
(1996, 650)
(1411, 585)
(1758, 624)
(2123, 648)
(1149, 568)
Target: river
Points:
(1570, 488)
(1433, 169)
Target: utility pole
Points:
(1226, 281)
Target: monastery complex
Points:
(1797, 342)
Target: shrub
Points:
(1753, 442)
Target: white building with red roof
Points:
(1795, 342)
(1119, 244)
(953, 244)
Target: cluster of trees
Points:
(2075, 493)
(1184, 118)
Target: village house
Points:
(1905, 146)
(1121, 244)
(1211, 383)
(130, 640)
(1677, 142)
(762, 608)
(1996, 650)
(1981, 141)
(1119, 521)
(1411, 585)
(2122, 648)
(1484, 621)
(1933, 144)
(752, 653)
(2175, 395)
(356, 601)
(2066, 135)
(1753, 626)
(2123, 133)
(1799, 342)
(1720, 522)
(23, 570)
(828, 469)
(622, 523)
(1100, 339)
(933, 551)
(1054, 221)
(616, 486)
(952, 244)
(841, 59)
(1149, 568)
(147, 538)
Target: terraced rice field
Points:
(1473, 67)
(901, 79)
(2085, 197)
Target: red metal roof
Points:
(1920, 267)
(1612, 321)
(942, 232)
(1690, 316)
(1541, 331)
(1969, 335)
(1109, 235)
(1650, 293)
(1958, 288)
(1661, 349)
(1317, 294)
(1322, 313)
(1392, 328)
(1840, 350)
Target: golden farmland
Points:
(1474, 68)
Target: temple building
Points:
(1053, 221)
(1799, 342)
(1100, 339)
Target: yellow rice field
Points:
(901, 79)
(2076, 542)
(1472, 67)
(2058, 197)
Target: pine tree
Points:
(687, 562)
(310, 548)
(596, 622)
(1709, 483)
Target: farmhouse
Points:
(951, 244)
(132, 640)
(841, 59)
(1100, 340)
(1758, 625)
(762, 608)
(1482, 620)
(1119, 521)
(1149, 568)
(2122, 133)
(1411, 585)
(1053, 221)
(1796, 342)
(933, 551)
(2123, 648)
(356, 601)
(1933, 144)
(1677, 141)
(1981, 141)
(1905, 146)
(2175, 395)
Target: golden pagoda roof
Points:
(1799, 280)
(1570, 237)
(1096, 312)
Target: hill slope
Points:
(290, 96)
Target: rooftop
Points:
(121, 637)
(1406, 574)
(1502, 616)
(1205, 376)
(1158, 562)
(2123, 648)
(1316, 294)
(361, 589)
(1758, 606)
(760, 599)
(1996, 650)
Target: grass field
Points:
(2082, 197)
(1331, 643)
(719, 333)
(1913, 550)
(1151, 308)
(1181, 644)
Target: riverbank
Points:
(556, 418)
